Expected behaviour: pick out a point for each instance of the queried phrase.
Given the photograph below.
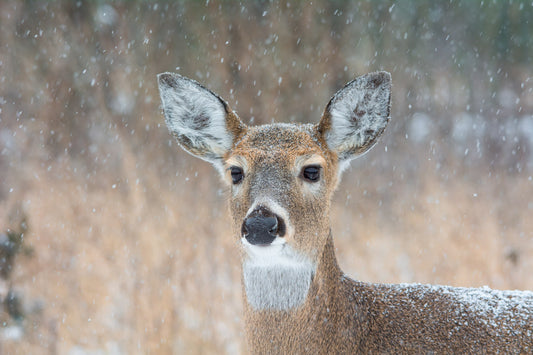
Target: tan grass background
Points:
(131, 247)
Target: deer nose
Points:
(261, 227)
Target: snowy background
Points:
(113, 240)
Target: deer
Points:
(281, 178)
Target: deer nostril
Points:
(244, 230)
(274, 228)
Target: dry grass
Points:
(131, 240)
(457, 233)
(153, 267)
(125, 267)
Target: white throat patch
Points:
(276, 277)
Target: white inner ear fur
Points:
(197, 114)
(358, 115)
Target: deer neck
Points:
(303, 327)
(278, 282)
(289, 281)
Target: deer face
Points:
(281, 176)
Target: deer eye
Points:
(236, 174)
(311, 173)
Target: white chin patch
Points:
(276, 276)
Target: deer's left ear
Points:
(356, 116)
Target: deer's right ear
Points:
(201, 121)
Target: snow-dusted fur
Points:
(296, 298)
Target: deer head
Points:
(281, 176)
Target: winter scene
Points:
(396, 145)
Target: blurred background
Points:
(113, 240)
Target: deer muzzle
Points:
(262, 226)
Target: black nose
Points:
(262, 226)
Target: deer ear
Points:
(356, 116)
(201, 121)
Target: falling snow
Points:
(125, 243)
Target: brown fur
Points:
(340, 315)
(272, 160)
(346, 317)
